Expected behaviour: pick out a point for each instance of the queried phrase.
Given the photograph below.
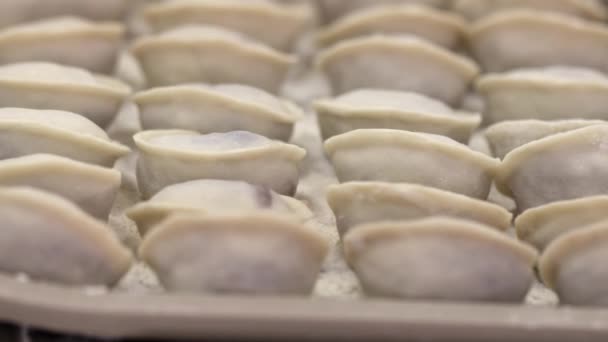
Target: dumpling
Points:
(574, 266)
(48, 238)
(170, 157)
(441, 28)
(559, 167)
(91, 187)
(475, 9)
(243, 253)
(220, 108)
(210, 55)
(506, 136)
(540, 226)
(368, 108)
(211, 196)
(274, 24)
(66, 40)
(439, 259)
(30, 131)
(334, 9)
(356, 203)
(401, 63)
(407, 157)
(38, 85)
(14, 12)
(524, 39)
(551, 93)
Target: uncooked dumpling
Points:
(356, 203)
(540, 226)
(170, 157)
(441, 28)
(475, 9)
(48, 238)
(551, 93)
(407, 157)
(91, 187)
(211, 55)
(18, 11)
(574, 266)
(210, 197)
(506, 136)
(559, 167)
(439, 259)
(258, 253)
(334, 9)
(66, 40)
(525, 39)
(276, 25)
(39, 85)
(30, 131)
(398, 62)
(220, 108)
(368, 108)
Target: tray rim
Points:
(178, 316)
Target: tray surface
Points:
(188, 317)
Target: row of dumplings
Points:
(172, 157)
(205, 235)
(388, 147)
(57, 176)
(20, 11)
(414, 220)
(547, 125)
(403, 59)
(510, 50)
(219, 217)
(58, 188)
(554, 171)
(375, 156)
(332, 10)
(377, 239)
(550, 93)
(56, 166)
(413, 208)
(387, 253)
(63, 162)
(548, 131)
(233, 42)
(64, 155)
(244, 227)
(199, 107)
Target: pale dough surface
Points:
(336, 280)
